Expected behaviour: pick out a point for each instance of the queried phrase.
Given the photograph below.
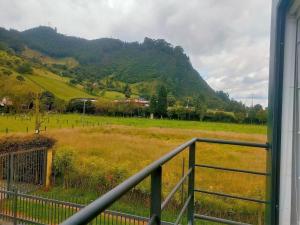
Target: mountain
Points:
(110, 64)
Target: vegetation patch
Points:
(23, 143)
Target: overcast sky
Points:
(227, 40)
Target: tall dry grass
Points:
(129, 149)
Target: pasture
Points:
(116, 148)
(19, 123)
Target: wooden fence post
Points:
(48, 167)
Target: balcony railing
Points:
(157, 204)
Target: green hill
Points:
(110, 64)
(13, 83)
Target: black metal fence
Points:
(21, 208)
(24, 170)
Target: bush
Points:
(63, 165)
(77, 105)
(25, 68)
(6, 72)
(20, 78)
(219, 117)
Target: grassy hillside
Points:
(60, 88)
(14, 83)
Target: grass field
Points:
(20, 123)
(58, 87)
(116, 148)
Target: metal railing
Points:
(154, 170)
(21, 208)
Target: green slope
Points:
(40, 80)
(58, 87)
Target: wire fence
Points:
(27, 123)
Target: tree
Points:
(47, 100)
(200, 107)
(37, 108)
(223, 95)
(89, 87)
(127, 91)
(171, 100)
(162, 102)
(25, 68)
(153, 104)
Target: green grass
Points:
(20, 123)
(112, 95)
(58, 87)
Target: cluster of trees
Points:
(25, 103)
(108, 108)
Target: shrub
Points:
(6, 72)
(20, 78)
(25, 68)
(63, 165)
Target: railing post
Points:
(15, 206)
(191, 184)
(155, 208)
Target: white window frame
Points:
(290, 147)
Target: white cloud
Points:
(228, 39)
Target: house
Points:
(6, 101)
(140, 102)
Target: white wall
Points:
(287, 123)
(290, 150)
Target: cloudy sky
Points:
(227, 40)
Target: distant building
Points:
(141, 102)
(6, 101)
(85, 99)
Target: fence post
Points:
(15, 202)
(48, 167)
(191, 185)
(10, 171)
(155, 208)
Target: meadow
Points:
(116, 148)
(20, 123)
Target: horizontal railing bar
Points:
(228, 142)
(99, 205)
(218, 220)
(182, 210)
(231, 196)
(232, 170)
(178, 185)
